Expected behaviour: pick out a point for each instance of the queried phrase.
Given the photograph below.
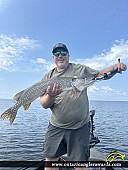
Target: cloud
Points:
(106, 90)
(48, 65)
(12, 49)
(41, 64)
(118, 50)
(3, 4)
(93, 89)
(2, 93)
(103, 60)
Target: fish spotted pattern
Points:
(27, 96)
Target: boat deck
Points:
(94, 156)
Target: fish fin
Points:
(26, 106)
(76, 89)
(10, 113)
(17, 96)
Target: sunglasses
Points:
(63, 53)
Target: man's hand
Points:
(54, 91)
(113, 69)
(121, 67)
(47, 99)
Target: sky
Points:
(95, 32)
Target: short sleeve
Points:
(89, 72)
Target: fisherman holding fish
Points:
(69, 126)
(64, 91)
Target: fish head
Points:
(82, 83)
(78, 84)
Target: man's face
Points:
(61, 59)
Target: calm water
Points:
(24, 139)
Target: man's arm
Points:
(120, 67)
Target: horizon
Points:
(89, 100)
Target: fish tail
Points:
(10, 113)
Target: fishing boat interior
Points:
(95, 155)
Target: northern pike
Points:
(27, 96)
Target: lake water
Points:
(24, 139)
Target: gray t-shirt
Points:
(71, 109)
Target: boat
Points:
(95, 156)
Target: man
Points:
(69, 127)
